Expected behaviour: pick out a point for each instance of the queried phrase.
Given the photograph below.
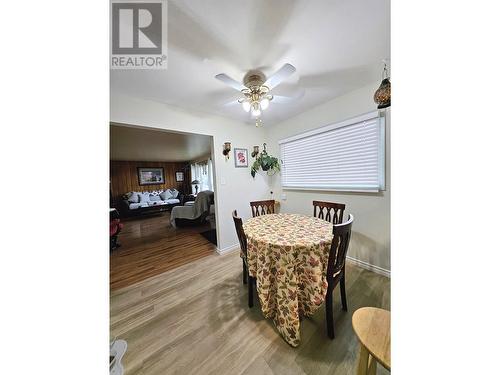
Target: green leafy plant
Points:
(267, 163)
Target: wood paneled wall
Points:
(124, 178)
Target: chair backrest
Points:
(339, 247)
(262, 207)
(323, 210)
(238, 223)
(208, 193)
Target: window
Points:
(347, 156)
(203, 172)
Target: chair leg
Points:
(114, 242)
(250, 291)
(372, 366)
(245, 272)
(363, 359)
(342, 293)
(329, 313)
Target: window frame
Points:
(351, 121)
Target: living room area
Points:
(161, 201)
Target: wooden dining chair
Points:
(335, 272)
(262, 207)
(323, 210)
(247, 279)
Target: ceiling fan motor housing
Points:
(254, 79)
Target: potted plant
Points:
(267, 163)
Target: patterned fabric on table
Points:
(288, 254)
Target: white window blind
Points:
(347, 156)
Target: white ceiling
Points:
(138, 144)
(337, 46)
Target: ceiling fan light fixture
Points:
(264, 103)
(255, 88)
(256, 112)
(246, 105)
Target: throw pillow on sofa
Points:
(174, 193)
(144, 197)
(133, 197)
(165, 195)
(154, 198)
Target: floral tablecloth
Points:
(288, 255)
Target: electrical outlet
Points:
(283, 197)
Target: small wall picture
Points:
(240, 157)
(150, 176)
(179, 176)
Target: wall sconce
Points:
(226, 150)
(255, 151)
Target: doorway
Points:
(181, 171)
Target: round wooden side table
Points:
(373, 328)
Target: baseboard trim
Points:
(370, 267)
(228, 249)
(360, 263)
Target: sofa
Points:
(150, 202)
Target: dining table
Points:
(288, 256)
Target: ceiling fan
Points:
(256, 89)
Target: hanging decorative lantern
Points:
(383, 94)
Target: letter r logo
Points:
(136, 28)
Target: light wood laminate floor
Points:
(151, 246)
(195, 320)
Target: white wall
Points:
(370, 241)
(235, 187)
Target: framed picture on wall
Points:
(240, 157)
(150, 176)
(179, 176)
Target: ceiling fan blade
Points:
(283, 73)
(231, 103)
(280, 99)
(269, 20)
(190, 33)
(230, 82)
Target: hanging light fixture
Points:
(246, 105)
(256, 109)
(256, 97)
(264, 103)
(383, 94)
